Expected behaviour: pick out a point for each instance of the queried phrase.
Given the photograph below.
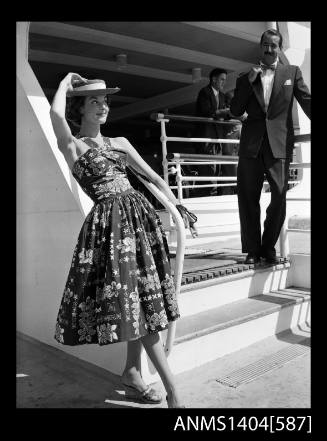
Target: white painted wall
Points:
(50, 212)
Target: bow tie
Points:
(267, 67)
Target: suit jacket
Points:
(277, 120)
(206, 106)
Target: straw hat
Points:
(91, 87)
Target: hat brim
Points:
(95, 92)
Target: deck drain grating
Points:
(266, 364)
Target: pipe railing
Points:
(177, 160)
(180, 249)
(163, 118)
(283, 237)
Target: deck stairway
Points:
(226, 305)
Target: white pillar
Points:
(297, 51)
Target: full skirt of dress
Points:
(119, 286)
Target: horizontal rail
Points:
(211, 140)
(297, 230)
(215, 159)
(203, 163)
(167, 117)
(305, 137)
(205, 186)
(207, 178)
(220, 178)
(199, 157)
(231, 162)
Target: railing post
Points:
(163, 139)
(179, 182)
(284, 245)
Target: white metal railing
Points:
(212, 159)
(283, 237)
(180, 250)
(177, 160)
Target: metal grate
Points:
(257, 369)
(221, 271)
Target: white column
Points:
(297, 50)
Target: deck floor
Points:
(229, 253)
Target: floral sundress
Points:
(119, 285)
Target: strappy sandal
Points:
(149, 395)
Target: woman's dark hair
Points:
(73, 106)
(275, 33)
(216, 72)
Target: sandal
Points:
(149, 395)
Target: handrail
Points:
(305, 137)
(177, 160)
(180, 248)
(200, 157)
(166, 116)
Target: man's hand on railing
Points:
(223, 113)
(188, 218)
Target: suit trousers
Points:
(250, 177)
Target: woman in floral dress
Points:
(119, 287)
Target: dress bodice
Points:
(101, 171)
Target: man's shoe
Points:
(271, 259)
(252, 259)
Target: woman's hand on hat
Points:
(72, 78)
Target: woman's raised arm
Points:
(58, 111)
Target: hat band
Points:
(93, 86)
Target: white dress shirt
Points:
(216, 95)
(267, 81)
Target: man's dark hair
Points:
(275, 33)
(216, 72)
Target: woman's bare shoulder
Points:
(121, 143)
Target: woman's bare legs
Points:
(156, 353)
(132, 372)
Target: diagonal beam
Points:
(63, 30)
(250, 31)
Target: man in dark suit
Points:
(266, 93)
(212, 103)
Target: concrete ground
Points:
(54, 379)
